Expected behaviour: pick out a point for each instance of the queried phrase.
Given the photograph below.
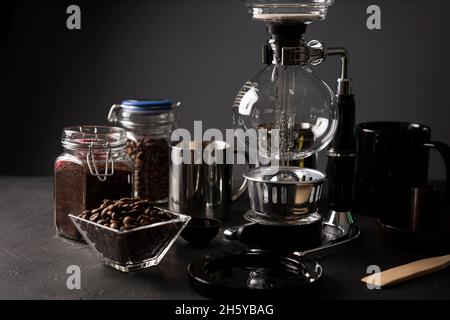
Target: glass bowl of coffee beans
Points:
(129, 234)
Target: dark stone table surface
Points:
(34, 261)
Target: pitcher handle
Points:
(239, 192)
(444, 150)
(243, 187)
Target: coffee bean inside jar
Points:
(151, 161)
(149, 124)
(94, 166)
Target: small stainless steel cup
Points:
(200, 183)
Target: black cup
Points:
(392, 157)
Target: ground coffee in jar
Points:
(94, 166)
(149, 124)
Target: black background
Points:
(200, 52)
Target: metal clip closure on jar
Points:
(96, 143)
(93, 169)
(96, 140)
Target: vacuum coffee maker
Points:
(303, 116)
(300, 115)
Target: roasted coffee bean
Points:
(115, 215)
(96, 210)
(129, 226)
(94, 217)
(153, 219)
(101, 221)
(128, 220)
(151, 211)
(115, 225)
(134, 212)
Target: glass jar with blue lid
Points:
(149, 124)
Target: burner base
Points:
(318, 238)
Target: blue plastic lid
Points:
(147, 105)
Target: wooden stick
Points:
(408, 271)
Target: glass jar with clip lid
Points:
(149, 124)
(93, 167)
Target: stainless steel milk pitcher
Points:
(200, 183)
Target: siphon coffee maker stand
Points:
(286, 224)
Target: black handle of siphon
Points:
(342, 157)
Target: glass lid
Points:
(277, 11)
